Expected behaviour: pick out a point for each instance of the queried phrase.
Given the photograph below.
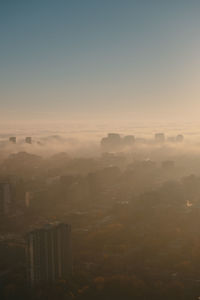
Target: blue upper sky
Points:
(96, 58)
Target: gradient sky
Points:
(129, 59)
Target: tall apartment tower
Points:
(49, 253)
(28, 140)
(5, 198)
(13, 139)
(159, 137)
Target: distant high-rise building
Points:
(111, 142)
(28, 140)
(49, 253)
(5, 198)
(13, 139)
(114, 137)
(128, 140)
(160, 137)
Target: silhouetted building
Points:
(111, 142)
(13, 139)
(114, 137)
(128, 140)
(5, 198)
(49, 253)
(179, 138)
(159, 137)
(28, 140)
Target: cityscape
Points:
(123, 221)
(99, 150)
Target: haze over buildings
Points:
(99, 132)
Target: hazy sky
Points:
(64, 59)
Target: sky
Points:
(99, 59)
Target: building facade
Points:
(49, 253)
(5, 198)
(159, 137)
(28, 140)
